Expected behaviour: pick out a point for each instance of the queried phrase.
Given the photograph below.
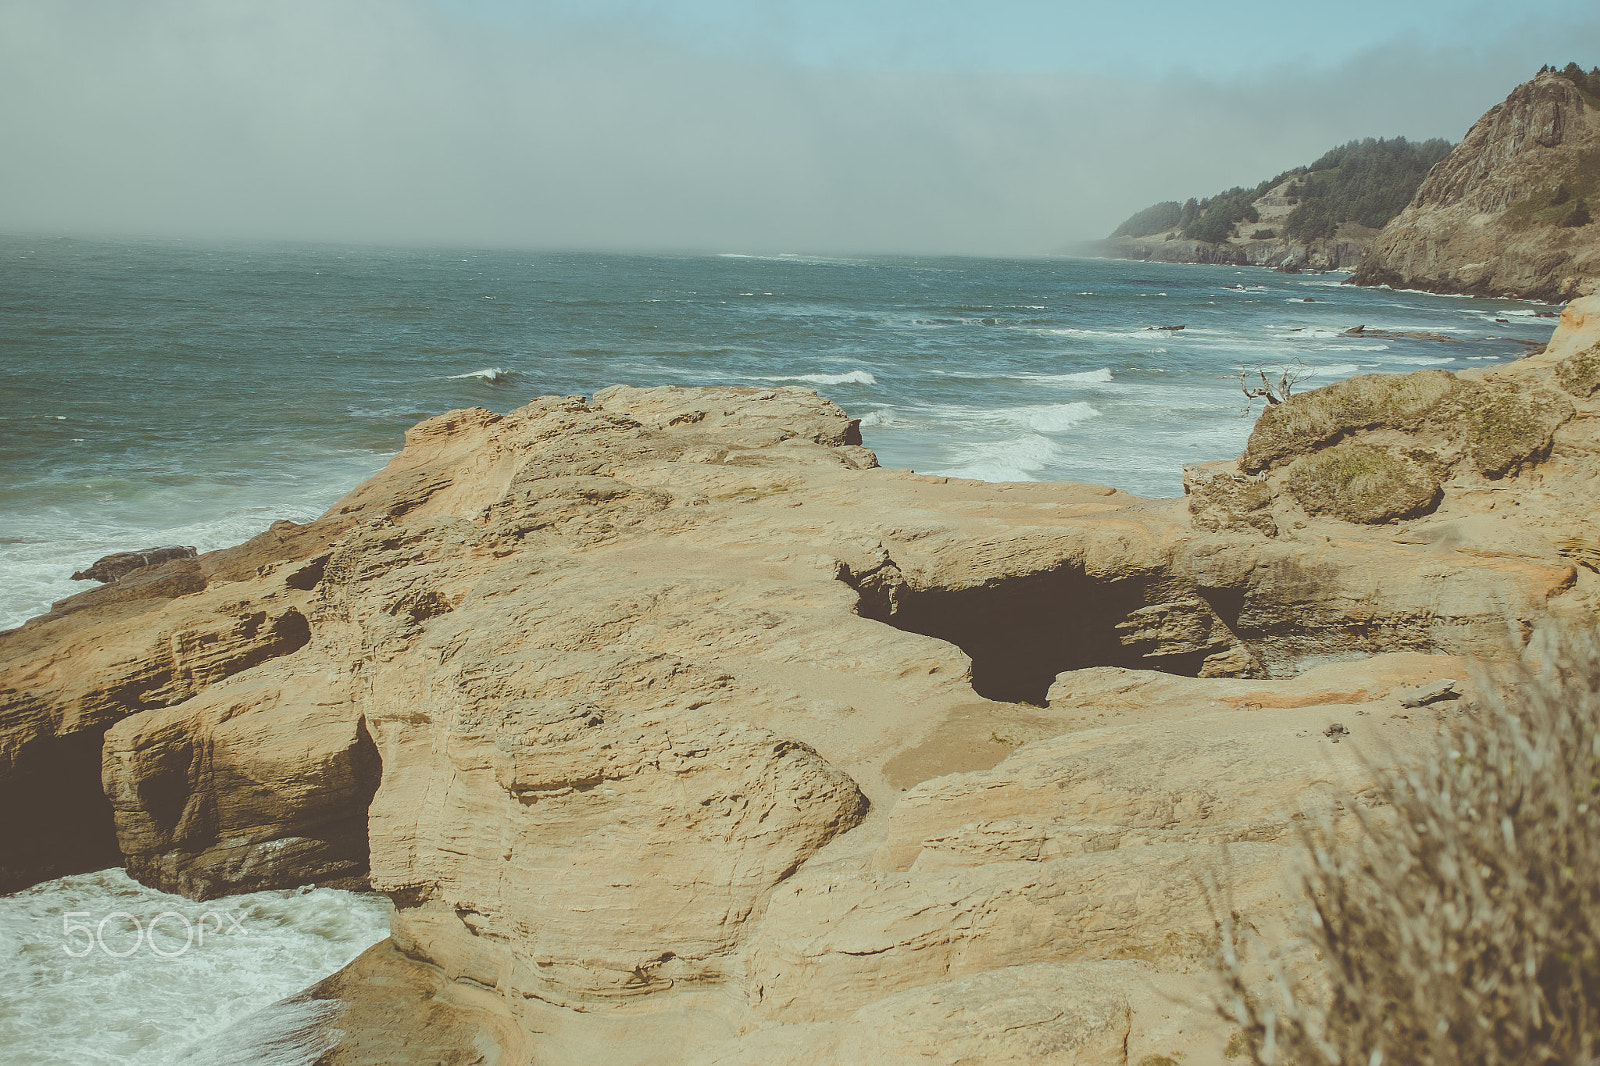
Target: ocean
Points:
(160, 392)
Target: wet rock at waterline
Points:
(119, 564)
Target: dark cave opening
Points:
(1021, 631)
(58, 818)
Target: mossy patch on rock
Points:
(1580, 374)
(1304, 423)
(1363, 484)
(1221, 503)
(1508, 428)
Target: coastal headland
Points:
(1510, 211)
(679, 731)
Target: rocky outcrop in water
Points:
(118, 565)
(1506, 214)
(680, 732)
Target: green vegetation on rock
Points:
(1367, 182)
(1580, 374)
(1157, 218)
(1509, 427)
(1588, 83)
(1499, 428)
(1363, 484)
(1566, 201)
(1305, 422)
(1217, 219)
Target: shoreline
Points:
(861, 697)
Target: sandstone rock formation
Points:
(680, 732)
(1495, 217)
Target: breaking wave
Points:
(854, 377)
(494, 375)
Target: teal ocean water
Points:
(158, 393)
(162, 392)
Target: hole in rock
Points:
(307, 577)
(1022, 631)
(366, 770)
(58, 820)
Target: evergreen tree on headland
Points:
(1368, 182)
(1588, 83)
(1156, 218)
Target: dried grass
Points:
(1464, 925)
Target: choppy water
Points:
(97, 969)
(159, 393)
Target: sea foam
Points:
(494, 375)
(1082, 377)
(853, 377)
(1016, 459)
(85, 984)
(1053, 418)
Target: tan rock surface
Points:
(262, 781)
(703, 739)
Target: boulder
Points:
(1360, 483)
(1302, 424)
(116, 566)
(261, 782)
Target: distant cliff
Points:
(1508, 212)
(1320, 217)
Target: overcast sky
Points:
(1002, 127)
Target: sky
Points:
(1008, 127)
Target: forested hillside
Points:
(1367, 182)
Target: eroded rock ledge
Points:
(680, 732)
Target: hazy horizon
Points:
(704, 126)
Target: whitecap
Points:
(494, 375)
(1081, 377)
(1073, 331)
(1056, 418)
(1445, 295)
(1017, 459)
(854, 377)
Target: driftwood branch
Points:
(1274, 392)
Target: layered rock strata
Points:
(680, 732)
(1500, 215)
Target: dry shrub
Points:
(1464, 925)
